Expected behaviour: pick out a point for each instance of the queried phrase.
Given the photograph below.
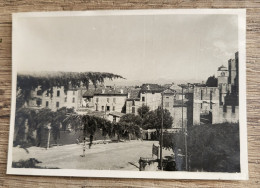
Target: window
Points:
(108, 100)
(39, 102)
(97, 99)
(114, 118)
(143, 98)
(108, 108)
(114, 108)
(58, 93)
(39, 92)
(47, 94)
(167, 104)
(201, 94)
(73, 100)
(114, 100)
(102, 108)
(57, 104)
(133, 110)
(65, 100)
(47, 103)
(73, 92)
(201, 105)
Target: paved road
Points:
(112, 156)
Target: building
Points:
(149, 95)
(219, 104)
(54, 100)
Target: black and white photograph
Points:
(129, 94)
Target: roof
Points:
(169, 91)
(222, 67)
(176, 88)
(151, 88)
(134, 93)
(106, 91)
(96, 113)
(117, 114)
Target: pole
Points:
(182, 108)
(161, 138)
(186, 154)
(184, 131)
(49, 136)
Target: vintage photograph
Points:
(133, 94)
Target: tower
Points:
(223, 76)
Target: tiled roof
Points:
(134, 93)
(168, 91)
(105, 91)
(151, 88)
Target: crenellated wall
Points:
(227, 115)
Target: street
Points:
(112, 156)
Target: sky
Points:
(138, 47)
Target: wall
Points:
(108, 100)
(64, 99)
(176, 113)
(153, 100)
(205, 100)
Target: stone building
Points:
(58, 99)
(219, 104)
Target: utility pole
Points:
(161, 138)
(184, 131)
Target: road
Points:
(112, 156)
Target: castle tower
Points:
(223, 76)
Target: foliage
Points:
(212, 148)
(37, 119)
(215, 148)
(153, 119)
(173, 140)
(131, 118)
(143, 110)
(24, 126)
(212, 81)
(47, 80)
(131, 125)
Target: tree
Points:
(153, 119)
(130, 124)
(24, 126)
(211, 148)
(212, 81)
(143, 110)
(47, 80)
(131, 118)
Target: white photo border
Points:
(243, 175)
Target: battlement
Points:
(229, 114)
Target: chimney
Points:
(121, 91)
(103, 91)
